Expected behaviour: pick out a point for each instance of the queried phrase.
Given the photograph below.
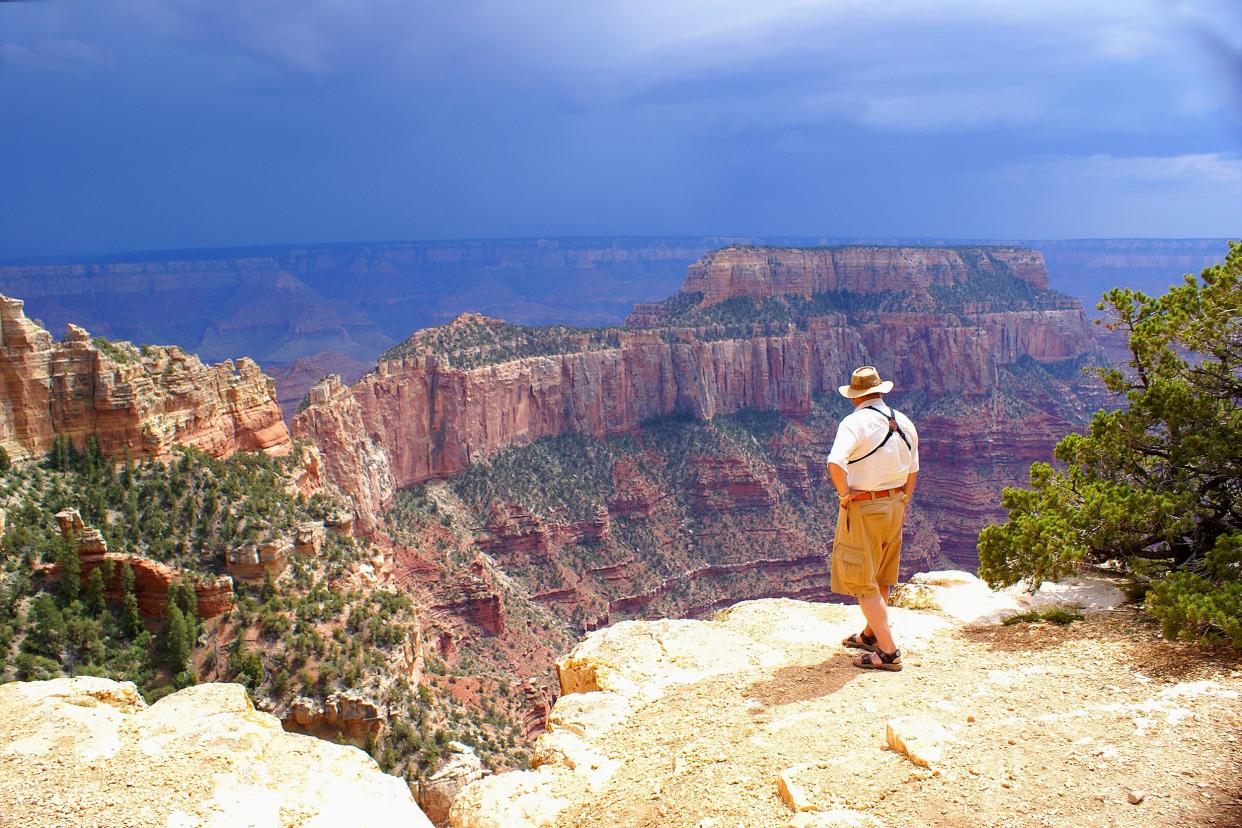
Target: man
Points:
(874, 464)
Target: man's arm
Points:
(838, 481)
(838, 456)
(910, 482)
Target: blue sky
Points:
(141, 124)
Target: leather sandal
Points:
(879, 660)
(860, 641)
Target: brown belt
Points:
(873, 495)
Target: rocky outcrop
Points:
(89, 751)
(757, 717)
(471, 595)
(262, 559)
(514, 536)
(348, 715)
(633, 494)
(726, 483)
(140, 402)
(437, 791)
(151, 579)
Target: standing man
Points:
(874, 464)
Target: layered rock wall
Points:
(142, 402)
(963, 342)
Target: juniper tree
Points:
(1155, 485)
(70, 568)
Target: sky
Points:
(152, 124)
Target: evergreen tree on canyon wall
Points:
(1156, 485)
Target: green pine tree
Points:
(70, 568)
(131, 619)
(186, 597)
(60, 453)
(1156, 485)
(95, 599)
(175, 644)
(46, 635)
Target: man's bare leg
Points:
(885, 590)
(876, 612)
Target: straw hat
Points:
(864, 381)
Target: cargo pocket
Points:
(851, 570)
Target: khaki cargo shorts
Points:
(866, 551)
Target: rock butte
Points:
(88, 752)
(143, 402)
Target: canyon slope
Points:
(140, 402)
(673, 494)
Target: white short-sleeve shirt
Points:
(861, 432)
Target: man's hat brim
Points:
(850, 392)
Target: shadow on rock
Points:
(799, 683)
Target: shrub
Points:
(1054, 615)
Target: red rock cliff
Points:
(144, 401)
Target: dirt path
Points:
(1053, 726)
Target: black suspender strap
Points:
(892, 427)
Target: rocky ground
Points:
(743, 720)
(88, 753)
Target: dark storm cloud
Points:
(147, 123)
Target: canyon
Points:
(984, 355)
(511, 487)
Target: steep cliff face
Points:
(140, 401)
(353, 457)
